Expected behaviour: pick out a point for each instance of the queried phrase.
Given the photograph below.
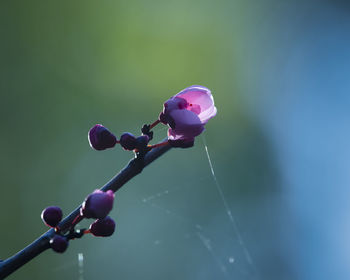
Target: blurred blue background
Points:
(279, 73)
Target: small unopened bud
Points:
(142, 141)
(128, 141)
(103, 227)
(59, 243)
(97, 205)
(100, 138)
(51, 216)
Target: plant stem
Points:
(154, 124)
(41, 244)
(161, 144)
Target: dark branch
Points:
(41, 244)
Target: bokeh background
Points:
(279, 73)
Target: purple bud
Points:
(97, 205)
(103, 227)
(181, 143)
(100, 138)
(163, 118)
(128, 141)
(51, 216)
(142, 141)
(166, 119)
(59, 243)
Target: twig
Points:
(41, 244)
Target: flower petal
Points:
(186, 125)
(197, 95)
(174, 103)
(207, 115)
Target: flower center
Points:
(195, 108)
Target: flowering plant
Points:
(185, 114)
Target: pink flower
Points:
(187, 112)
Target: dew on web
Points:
(157, 242)
(207, 244)
(176, 216)
(68, 265)
(81, 266)
(167, 192)
(228, 210)
(200, 233)
(155, 196)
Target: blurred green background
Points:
(67, 65)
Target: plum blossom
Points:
(186, 114)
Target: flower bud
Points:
(128, 141)
(97, 205)
(59, 243)
(142, 141)
(100, 138)
(103, 227)
(51, 216)
(187, 113)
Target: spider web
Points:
(233, 262)
(200, 232)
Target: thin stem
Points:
(161, 144)
(77, 219)
(42, 243)
(154, 124)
